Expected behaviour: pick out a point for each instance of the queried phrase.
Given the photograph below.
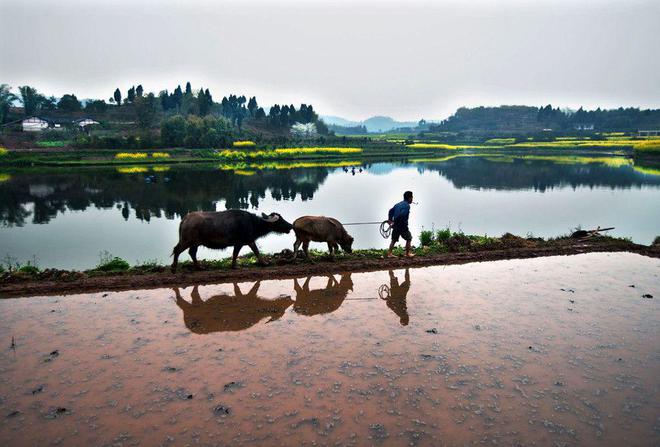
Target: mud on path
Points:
(283, 268)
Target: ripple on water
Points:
(557, 350)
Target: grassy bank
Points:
(430, 243)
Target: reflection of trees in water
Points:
(539, 175)
(42, 196)
(173, 194)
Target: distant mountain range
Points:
(373, 124)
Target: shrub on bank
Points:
(110, 263)
(3, 151)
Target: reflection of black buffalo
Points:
(321, 301)
(396, 298)
(223, 313)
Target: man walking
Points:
(398, 219)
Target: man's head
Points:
(407, 196)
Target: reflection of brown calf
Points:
(397, 297)
(321, 301)
(222, 313)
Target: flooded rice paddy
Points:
(552, 351)
(64, 218)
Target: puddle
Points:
(552, 351)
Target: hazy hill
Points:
(374, 124)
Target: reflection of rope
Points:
(384, 292)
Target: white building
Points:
(304, 130)
(34, 124)
(82, 123)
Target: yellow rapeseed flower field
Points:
(315, 150)
(130, 155)
(160, 155)
(245, 143)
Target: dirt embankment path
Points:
(77, 282)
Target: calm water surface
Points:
(559, 351)
(66, 218)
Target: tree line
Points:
(533, 119)
(149, 109)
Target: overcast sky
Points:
(406, 59)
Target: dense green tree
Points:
(49, 103)
(173, 131)
(188, 88)
(146, 110)
(96, 106)
(130, 95)
(260, 113)
(7, 98)
(178, 97)
(69, 103)
(117, 97)
(204, 102)
(252, 106)
(31, 100)
(139, 90)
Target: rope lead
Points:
(385, 228)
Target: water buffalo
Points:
(222, 229)
(224, 312)
(320, 229)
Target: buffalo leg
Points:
(254, 248)
(176, 251)
(192, 251)
(330, 247)
(296, 246)
(306, 249)
(237, 248)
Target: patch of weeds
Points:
(148, 266)
(442, 236)
(110, 263)
(29, 268)
(426, 237)
(656, 241)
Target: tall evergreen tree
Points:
(32, 100)
(139, 90)
(130, 95)
(252, 105)
(6, 100)
(117, 97)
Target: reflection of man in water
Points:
(396, 299)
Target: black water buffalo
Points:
(222, 229)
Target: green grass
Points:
(53, 143)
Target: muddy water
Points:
(554, 351)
